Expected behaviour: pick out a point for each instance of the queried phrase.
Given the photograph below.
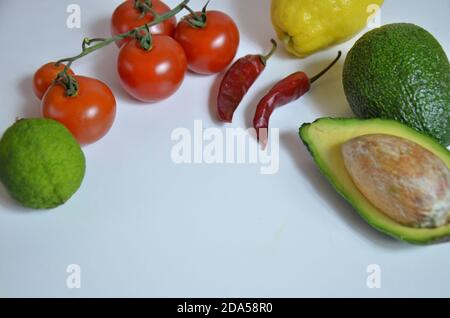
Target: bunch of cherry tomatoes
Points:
(204, 42)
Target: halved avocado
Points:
(324, 139)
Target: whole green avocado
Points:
(400, 71)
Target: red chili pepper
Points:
(238, 80)
(287, 90)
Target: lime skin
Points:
(41, 163)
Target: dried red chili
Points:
(238, 80)
(287, 90)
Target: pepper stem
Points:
(265, 58)
(315, 78)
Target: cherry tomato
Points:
(151, 76)
(45, 76)
(210, 49)
(88, 115)
(126, 17)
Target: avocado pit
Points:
(402, 179)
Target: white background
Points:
(142, 226)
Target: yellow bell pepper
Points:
(308, 26)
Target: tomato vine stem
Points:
(195, 20)
(145, 6)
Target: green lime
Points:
(41, 163)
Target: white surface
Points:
(142, 226)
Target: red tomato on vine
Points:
(44, 77)
(155, 74)
(88, 115)
(134, 13)
(209, 48)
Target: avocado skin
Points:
(323, 139)
(401, 72)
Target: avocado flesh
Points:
(324, 139)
